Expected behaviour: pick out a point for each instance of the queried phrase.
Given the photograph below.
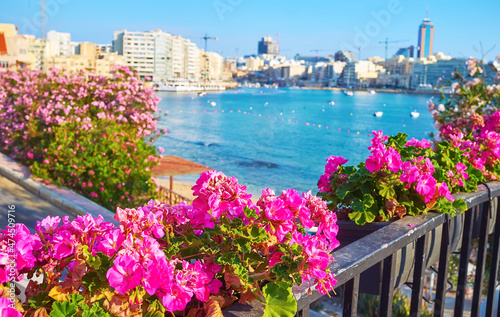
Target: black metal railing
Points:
(382, 246)
(167, 196)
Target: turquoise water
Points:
(281, 138)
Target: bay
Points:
(280, 138)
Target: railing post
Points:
(481, 257)
(464, 262)
(442, 270)
(351, 292)
(418, 274)
(493, 267)
(387, 292)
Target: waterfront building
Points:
(360, 74)
(102, 64)
(14, 48)
(254, 63)
(406, 51)
(344, 56)
(428, 71)
(60, 43)
(268, 46)
(211, 65)
(334, 72)
(158, 54)
(186, 59)
(425, 38)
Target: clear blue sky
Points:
(305, 25)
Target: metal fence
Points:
(381, 248)
(167, 196)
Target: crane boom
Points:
(386, 42)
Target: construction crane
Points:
(319, 50)
(386, 42)
(43, 19)
(206, 38)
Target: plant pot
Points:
(371, 279)
(478, 215)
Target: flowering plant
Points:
(167, 260)
(469, 119)
(399, 177)
(90, 133)
(472, 94)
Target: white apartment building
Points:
(40, 48)
(212, 66)
(158, 54)
(60, 43)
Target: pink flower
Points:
(91, 172)
(125, 275)
(160, 149)
(443, 191)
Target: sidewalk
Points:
(49, 199)
(29, 208)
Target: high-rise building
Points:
(268, 46)
(60, 43)
(406, 51)
(344, 56)
(425, 38)
(158, 54)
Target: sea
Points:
(280, 138)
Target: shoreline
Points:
(378, 90)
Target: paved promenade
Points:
(29, 208)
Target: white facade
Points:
(212, 66)
(40, 49)
(158, 54)
(60, 43)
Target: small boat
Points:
(348, 93)
(213, 104)
(414, 114)
(331, 102)
(378, 113)
(372, 92)
(202, 94)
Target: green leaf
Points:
(343, 190)
(279, 301)
(243, 245)
(386, 191)
(64, 309)
(460, 205)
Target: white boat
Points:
(186, 87)
(202, 94)
(372, 92)
(213, 104)
(348, 93)
(378, 114)
(414, 114)
(331, 102)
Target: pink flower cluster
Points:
(382, 157)
(483, 147)
(31, 103)
(138, 250)
(332, 165)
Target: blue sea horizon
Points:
(280, 138)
